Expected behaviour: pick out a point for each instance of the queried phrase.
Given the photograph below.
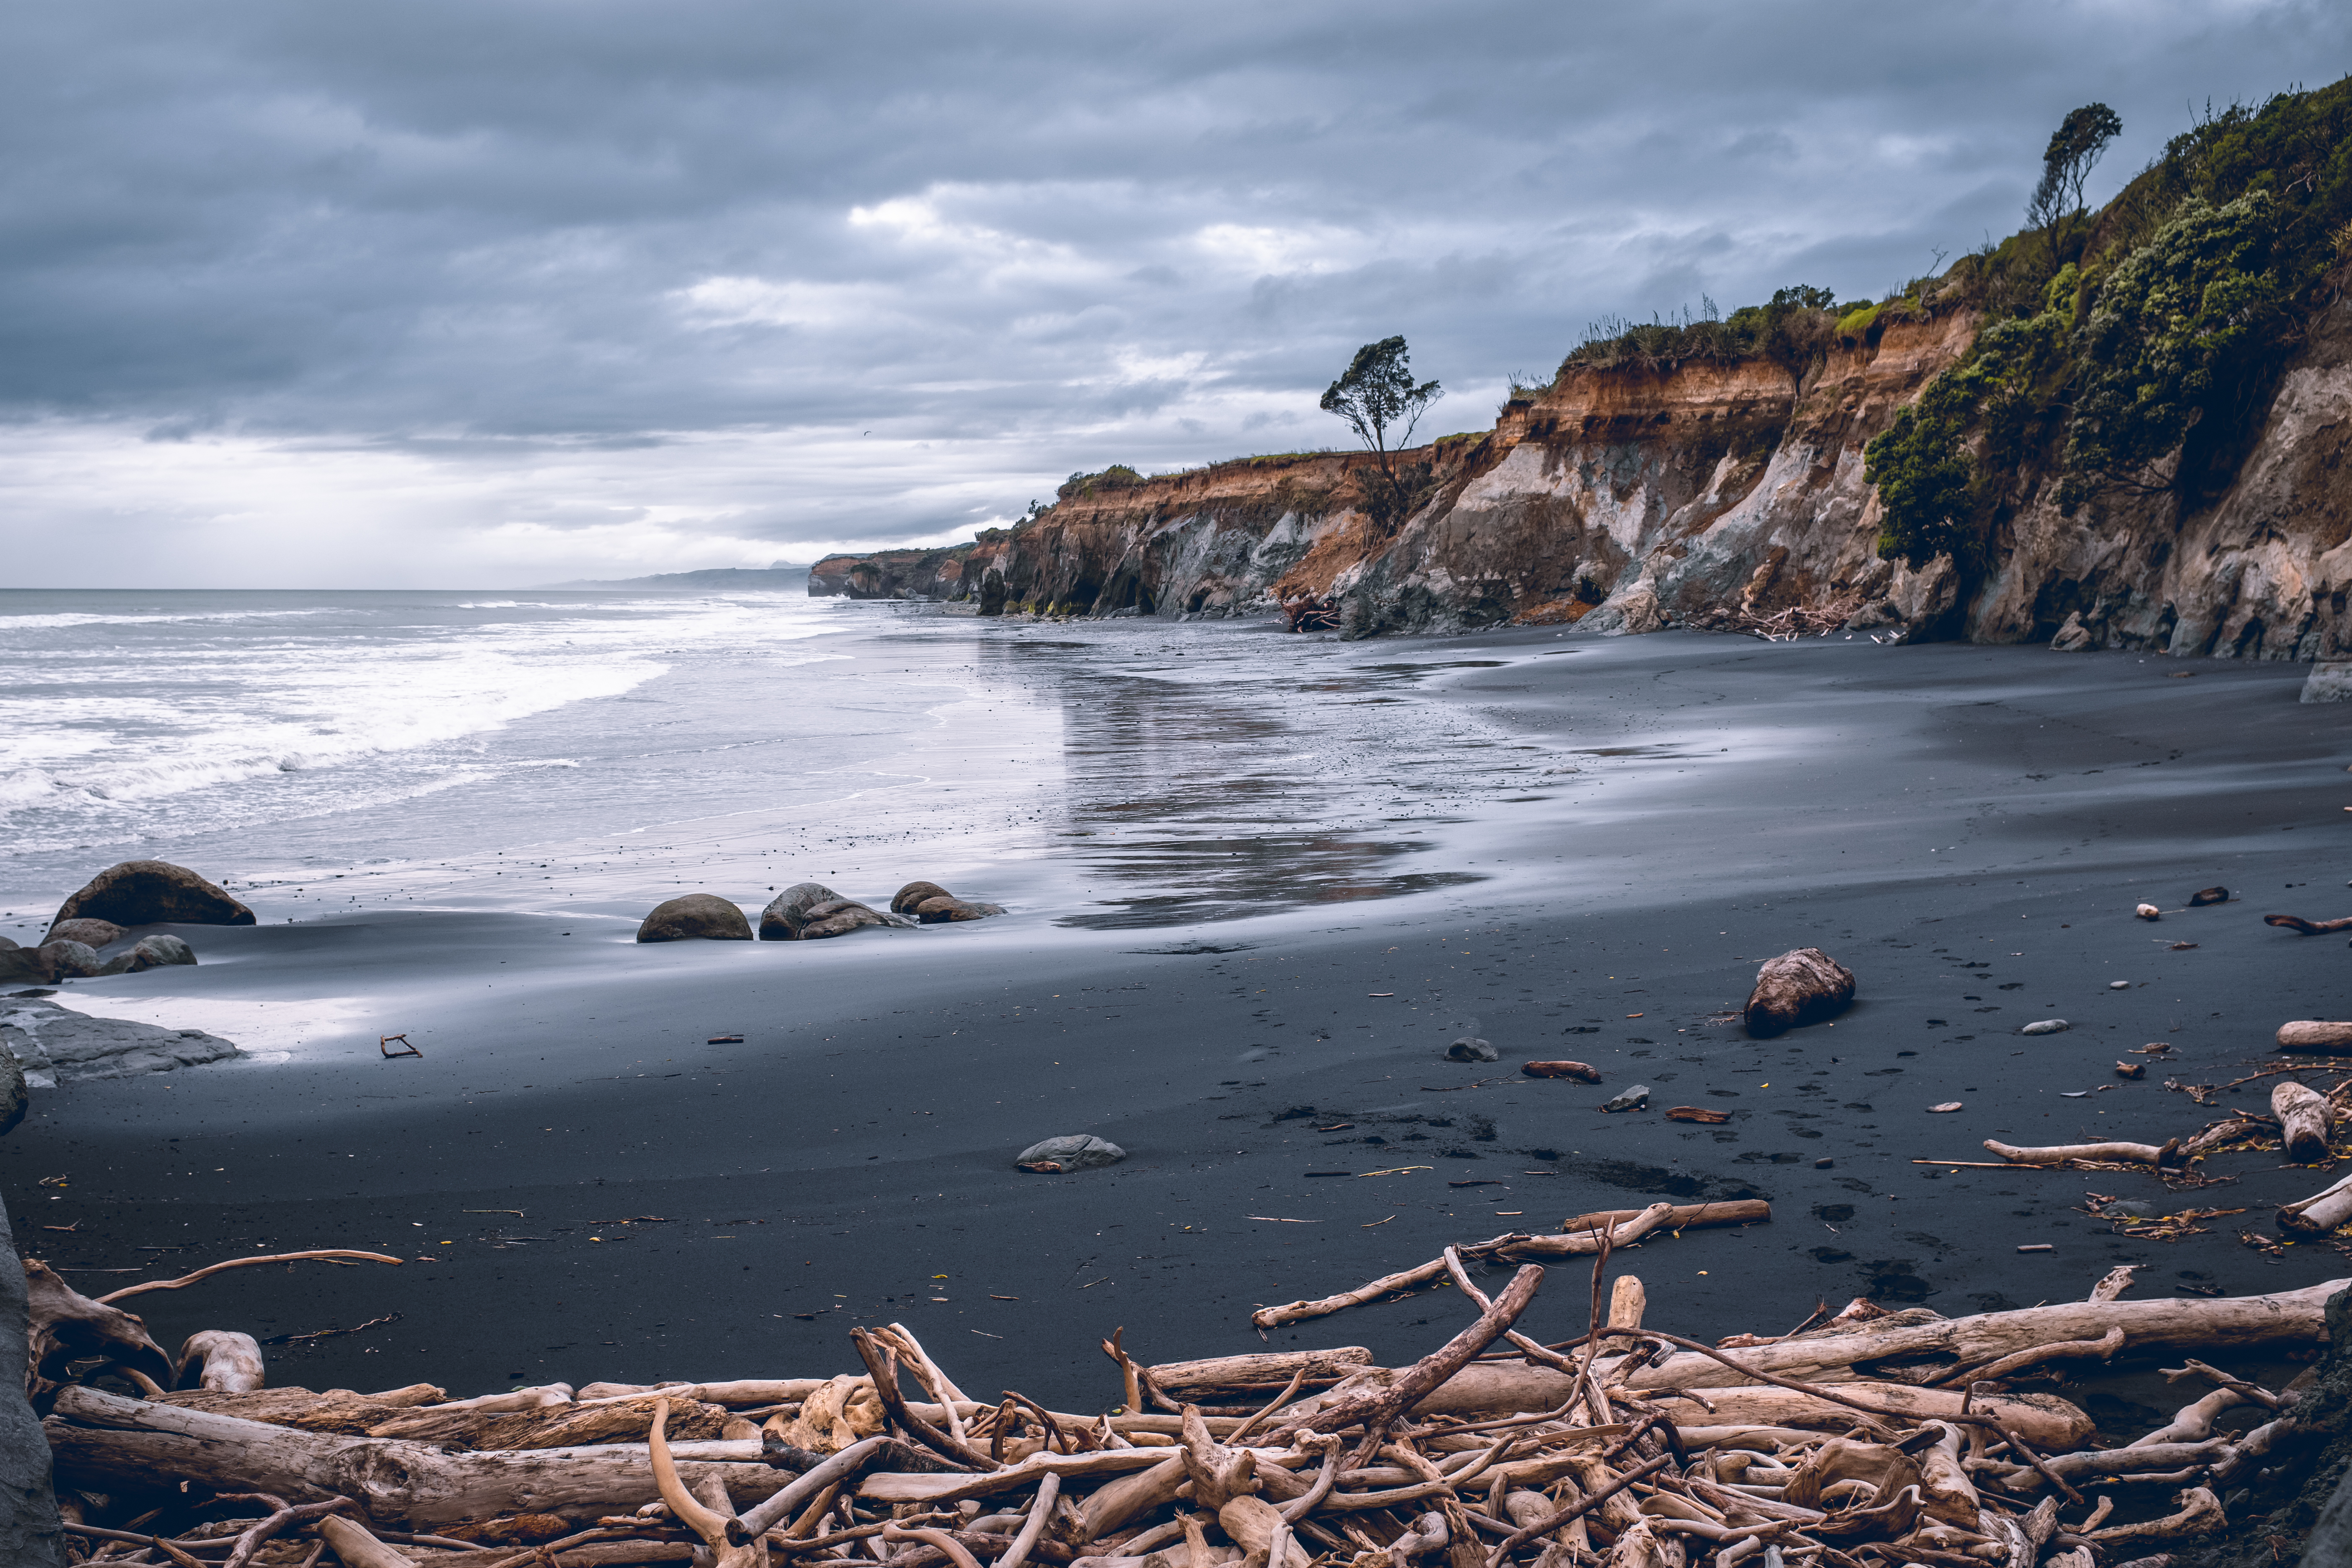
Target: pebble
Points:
(1470, 1049)
(2118, 985)
(2046, 1026)
(1636, 1097)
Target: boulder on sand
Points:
(1071, 1151)
(1803, 985)
(48, 963)
(1470, 1049)
(157, 951)
(808, 911)
(934, 905)
(94, 933)
(152, 892)
(696, 917)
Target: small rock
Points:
(1071, 1151)
(2329, 682)
(2149, 913)
(1636, 1097)
(152, 893)
(1943, 1109)
(1583, 1072)
(2132, 1208)
(1825, 1164)
(2118, 985)
(1470, 1049)
(806, 911)
(2073, 637)
(2046, 1026)
(695, 916)
(155, 951)
(2131, 1069)
(95, 932)
(2203, 897)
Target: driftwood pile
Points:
(1866, 1439)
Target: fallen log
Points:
(99, 1438)
(2110, 1154)
(2314, 1035)
(1803, 985)
(1401, 1390)
(1263, 1374)
(2202, 1325)
(1583, 1072)
(1681, 1216)
(2303, 1115)
(2320, 1212)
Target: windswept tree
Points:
(2075, 149)
(1376, 397)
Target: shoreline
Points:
(859, 1142)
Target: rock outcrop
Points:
(152, 892)
(30, 1529)
(695, 916)
(159, 951)
(1706, 493)
(55, 1045)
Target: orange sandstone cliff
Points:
(1709, 493)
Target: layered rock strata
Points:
(1705, 493)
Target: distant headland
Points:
(780, 576)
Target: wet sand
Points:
(591, 1191)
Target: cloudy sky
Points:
(485, 292)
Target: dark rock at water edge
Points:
(1071, 1151)
(29, 1531)
(1803, 985)
(94, 933)
(1470, 1049)
(15, 1100)
(807, 912)
(159, 951)
(934, 905)
(55, 1045)
(695, 916)
(152, 893)
(48, 963)
(2307, 1486)
(903, 901)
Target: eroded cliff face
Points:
(1708, 494)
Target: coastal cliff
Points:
(2131, 433)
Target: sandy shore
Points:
(1968, 828)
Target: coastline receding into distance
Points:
(1968, 828)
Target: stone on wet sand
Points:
(695, 916)
(152, 893)
(905, 900)
(157, 951)
(939, 910)
(1071, 1151)
(48, 963)
(1470, 1049)
(55, 1045)
(2328, 682)
(94, 933)
(1636, 1098)
(1804, 986)
(2046, 1026)
(807, 912)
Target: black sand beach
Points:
(1968, 828)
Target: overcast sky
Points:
(479, 292)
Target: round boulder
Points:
(1803, 985)
(806, 911)
(68, 960)
(156, 952)
(1071, 1151)
(696, 917)
(152, 893)
(946, 907)
(95, 932)
(905, 901)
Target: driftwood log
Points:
(1804, 986)
(2314, 1035)
(2303, 1119)
(2320, 1212)
(2109, 1153)
(2308, 928)
(1583, 1072)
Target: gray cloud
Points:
(514, 244)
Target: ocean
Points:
(415, 746)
